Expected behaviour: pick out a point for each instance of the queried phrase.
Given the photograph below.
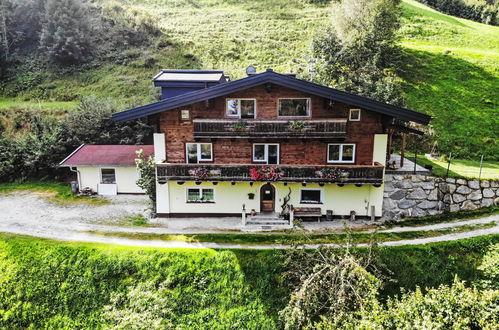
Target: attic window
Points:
(185, 115)
(241, 108)
(354, 115)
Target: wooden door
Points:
(267, 198)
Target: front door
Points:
(267, 198)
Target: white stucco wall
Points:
(379, 148)
(125, 178)
(229, 198)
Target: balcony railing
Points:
(354, 174)
(214, 128)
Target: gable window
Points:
(108, 175)
(266, 153)
(341, 153)
(185, 115)
(241, 108)
(198, 152)
(294, 107)
(354, 115)
(310, 196)
(200, 195)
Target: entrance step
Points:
(253, 228)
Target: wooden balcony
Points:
(214, 128)
(353, 174)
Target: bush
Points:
(477, 10)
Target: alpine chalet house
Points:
(267, 145)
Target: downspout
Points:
(77, 176)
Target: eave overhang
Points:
(273, 78)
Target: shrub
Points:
(482, 11)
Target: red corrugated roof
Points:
(93, 155)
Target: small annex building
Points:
(107, 169)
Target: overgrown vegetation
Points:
(46, 141)
(448, 68)
(484, 11)
(357, 52)
(56, 285)
(147, 178)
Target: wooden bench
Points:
(307, 212)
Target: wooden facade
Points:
(296, 148)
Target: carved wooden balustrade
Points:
(214, 128)
(354, 174)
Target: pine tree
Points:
(67, 31)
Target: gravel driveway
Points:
(28, 214)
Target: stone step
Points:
(253, 228)
(270, 222)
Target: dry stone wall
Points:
(420, 195)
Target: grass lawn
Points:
(51, 284)
(53, 191)
(459, 168)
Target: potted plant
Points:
(297, 125)
(239, 126)
(199, 173)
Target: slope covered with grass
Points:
(450, 65)
(50, 284)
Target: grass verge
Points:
(55, 192)
(295, 237)
(445, 217)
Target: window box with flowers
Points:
(330, 173)
(266, 173)
(199, 173)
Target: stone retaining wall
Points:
(420, 195)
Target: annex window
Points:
(199, 152)
(241, 108)
(310, 196)
(266, 153)
(294, 107)
(108, 175)
(200, 195)
(341, 153)
(354, 115)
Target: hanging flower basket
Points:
(266, 173)
(199, 173)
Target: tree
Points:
(67, 33)
(328, 283)
(357, 52)
(147, 179)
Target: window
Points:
(354, 115)
(198, 152)
(266, 153)
(310, 196)
(341, 153)
(200, 195)
(294, 107)
(185, 115)
(242, 108)
(108, 175)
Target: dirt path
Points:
(28, 214)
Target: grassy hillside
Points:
(48, 284)
(450, 65)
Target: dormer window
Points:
(241, 108)
(354, 115)
(299, 107)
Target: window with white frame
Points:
(354, 115)
(299, 107)
(341, 153)
(241, 108)
(310, 196)
(200, 195)
(198, 152)
(108, 175)
(266, 153)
